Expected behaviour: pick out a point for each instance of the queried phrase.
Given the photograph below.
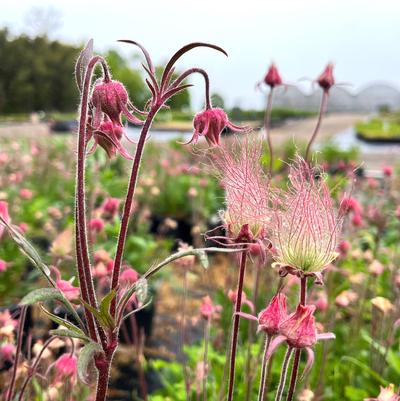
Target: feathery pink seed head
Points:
(305, 227)
(270, 318)
(247, 196)
(273, 78)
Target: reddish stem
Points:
(235, 330)
(296, 362)
(83, 262)
(32, 370)
(322, 109)
(103, 367)
(18, 352)
(128, 202)
(284, 370)
(264, 370)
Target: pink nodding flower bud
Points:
(299, 328)
(270, 318)
(387, 171)
(210, 123)
(7, 352)
(69, 291)
(386, 394)
(326, 79)
(208, 309)
(273, 78)
(4, 215)
(96, 225)
(3, 265)
(108, 135)
(110, 206)
(344, 246)
(110, 97)
(66, 367)
(129, 276)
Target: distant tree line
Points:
(38, 74)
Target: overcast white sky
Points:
(362, 37)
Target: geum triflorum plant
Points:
(102, 105)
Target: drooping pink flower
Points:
(299, 328)
(7, 352)
(320, 300)
(273, 78)
(247, 214)
(349, 204)
(397, 212)
(4, 215)
(7, 324)
(344, 247)
(129, 276)
(111, 98)
(376, 268)
(70, 292)
(299, 331)
(110, 206)
(232, 295)
(345, 298)
(25, 193)
(96, 225)
(66, 368)
(306, 226)
(387, 170)
(270, 318)
(207, 308)
(3, 265)
(326, 79)
(386, 394)
(210, 123)
(108, 135)
(357, 220)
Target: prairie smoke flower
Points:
(306, 226)
(299, 331)
(4, 215)
(7, 352)
(66, 367)
(70, 292)
(110, 206)
(232, 295)
(3, 265)
(385, 394)
(25, 193)
(387, 171)
(247, 196)
(110, 100)
(273, 78)
(345, 298)
(376, 268)
(129, 276)
(210, 123)
(270, 318)
(207, 308)
(326, 79)
(7, 324)
(96, 225)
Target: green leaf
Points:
(69, 333)
(106, 301)
(62, 322)
(48, 294)
(42, 295)
(85, 359)
(105, 319)
(28, 250)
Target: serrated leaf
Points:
(82, 63)
(142, 290)
(69, 333)
(85, 358)
(61, 321)
(28, 250)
